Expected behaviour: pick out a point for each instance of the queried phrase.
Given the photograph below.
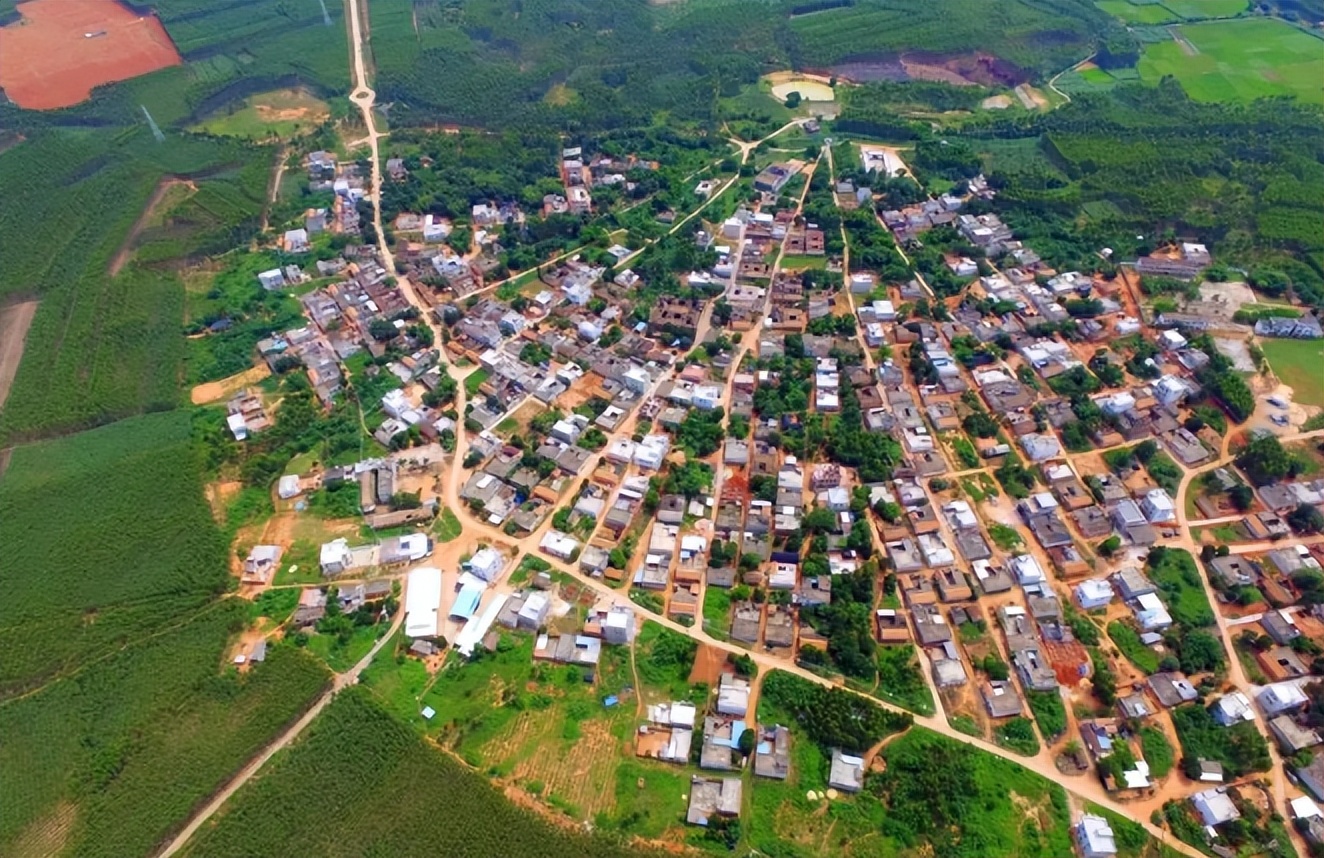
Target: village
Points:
(1017, 511)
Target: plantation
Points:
(103, 347)
(379, 789)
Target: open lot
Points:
(1239, 61)
(1297, 364)
(62, 49)
(810, 89)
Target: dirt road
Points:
(14, 322)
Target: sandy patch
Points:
(215, 391)
(14, 323)
(811, 88)
(996, 102)
(60, 50)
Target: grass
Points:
(1018, 735)
(1128, 641)
(283, 113)
(1296, 363)
(1131, 13)
(795, 262)
(717, 611)
(1096, 75)
(664, 660)
(1005, 537)
(901, 680)
(1181, 588)
(447, 527)
(475, 380)
(341, 657)
(1240, 61)
(1049, 712)
(1157, 751)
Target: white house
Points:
(288, 487)
(272, 279)
(1231, 708)
(1151, 613)
(1093, 593)
(1158, 507)
(336, 557)
(1026, 570)
(618, 625)
(558, 544)
(1283, 697)
(1215, 807)
(707, 396)
(1095, 837)
(238, 426)
(1172, 341)
(487, 564)
(435, 228)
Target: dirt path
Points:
(274, 191)
(162, 188)
(341, 681)
(14, 323)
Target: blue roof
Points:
(466, 603)
(737, 727)
(611, 701)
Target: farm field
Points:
(282, 113)
(380, 790)
(1137, 13)
(1297, 364)
(64, 48)
(1240, 61)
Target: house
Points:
(890, 626)
(1131, 584)
(1291, 736)
(1232, 708)
(618, 625)
(745, 623)
(1001, 699)
(261, 563)
(1093, 593)
(1281, 697)
(720, 741)
(1095, 837)
(1172, 689)
(1151, 614)
(1157, 507)
(772, 753)
(732, 695)
(1312, 776)
(846, 772)
(710, 797)
(1280, 626)
(487, 564)
(336, 557)
(1215, 807)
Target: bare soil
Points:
(14, 323)
(215, 391)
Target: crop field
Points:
(1240, 61)
(1137, 13)
(53, 59)
(1297, 364)
(380, 790)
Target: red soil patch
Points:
(708, 663)
(47, 59)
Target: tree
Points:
(793, 100)
(1306, 519)
(382, 330)
(745, 744)
(1241, 496)
(1265, 461)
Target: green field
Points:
(1194, 9)
(1096, 76)
(282, 113)
(1136, 13)
(1240, 61)
(1297, 364)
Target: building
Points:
(846, 772)
(1232, 708)
(1095, 837)
(732, 695)
(1093, 593)
(712, 797)
(1215, 806)
(1001, 699)
(423, 603)
(772, 753)
(1281, 697)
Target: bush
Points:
(1018, 735)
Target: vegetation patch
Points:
(1297, 363)
(1128, 641)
